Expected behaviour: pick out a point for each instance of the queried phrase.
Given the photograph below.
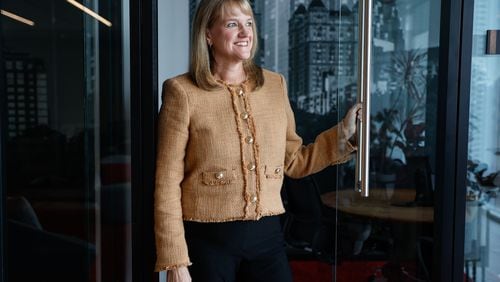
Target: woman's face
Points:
(231, 37)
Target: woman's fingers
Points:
(180, 274)
(359, 112)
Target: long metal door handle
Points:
(364, 81)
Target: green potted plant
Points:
(400, 126)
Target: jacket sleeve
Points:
(330, 147)
(173, 134)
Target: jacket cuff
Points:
(351, 147)
(163, 267)
(344, 146)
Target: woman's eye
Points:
(249, 23)
(231, 25)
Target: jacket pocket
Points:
(274, 172)
(218, 177)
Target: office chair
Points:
(308, 231)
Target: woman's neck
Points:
(232, 74)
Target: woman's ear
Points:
(208, 36)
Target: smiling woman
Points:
(226, 139)
(220, 30)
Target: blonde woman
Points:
(226, 139)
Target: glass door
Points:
(389, 235)
(68, 196)
(482, 212)
(385, 231)
(331, 232)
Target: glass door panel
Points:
(389, 234)
(68, 143)
(343, 236)
(482, 214)
(331, 233)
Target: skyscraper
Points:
(26, 88)
(321, 56)
(294, 4)
(258, 10)
(483, 116)
(274, 30)
(192, 10)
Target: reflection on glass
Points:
(391, 231)
(68, 149)
(482, 214)
(17, 18)
(90, 12)
(331, 233)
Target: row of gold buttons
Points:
(248, 140)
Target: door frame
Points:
(451, 150)
(144, 109)
(464, 80)
(3, 193)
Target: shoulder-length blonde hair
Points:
(209, 12)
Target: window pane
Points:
(482, 214)
(68, 148)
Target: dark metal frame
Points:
(453, 118)
(144, 105)
(144, 108)
(3, 193)
(462, 138)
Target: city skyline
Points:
(313, 44)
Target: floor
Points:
(308, 271)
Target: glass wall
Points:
(482, 216)
(313, 43)
(66, 71)
(389, 235)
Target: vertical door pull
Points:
(364, 81)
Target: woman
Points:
(226, 138)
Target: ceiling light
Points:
(90, 12)
(17, 18)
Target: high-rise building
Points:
(26, 89)
(294, 4)
(323, 52)
(274, 29)
(321, 56)
(482, 119)
(192, 10)
(258, 12)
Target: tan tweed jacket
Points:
(222, 155)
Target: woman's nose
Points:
(244, 31)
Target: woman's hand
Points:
(350, 120)
(180, 274)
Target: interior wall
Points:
(173, 39)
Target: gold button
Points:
(253, 199)
(244, 115)
(251, 167)
(277, 170)
(241, 92)
(249, 139)
(219, 175)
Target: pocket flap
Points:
(275, 172)
(218, 177)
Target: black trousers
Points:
(250, 251)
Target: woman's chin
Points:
(244, 57)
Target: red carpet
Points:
(348, 271)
